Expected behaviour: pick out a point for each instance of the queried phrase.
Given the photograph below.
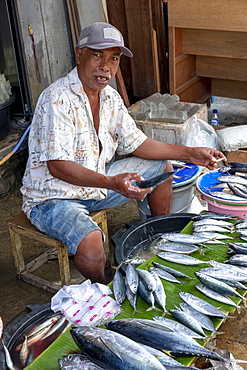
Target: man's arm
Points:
(73, 173)
(152, 149)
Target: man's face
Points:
(96, 68)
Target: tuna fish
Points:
(176, 344)
(113, 350)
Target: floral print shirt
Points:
(62, 129)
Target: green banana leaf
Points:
(218, 252)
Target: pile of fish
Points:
(136, 344)
(177, 335)
(232, 184)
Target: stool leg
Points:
(17, 252)
(63, 261)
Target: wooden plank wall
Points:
(54, 58)
(208, 49)
(142, 25)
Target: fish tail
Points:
(219, 332)
(135, 311)
(153, 308)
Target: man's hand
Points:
(206, 157)
(123, 184)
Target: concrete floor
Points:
(15, 295)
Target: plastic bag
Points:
(233, 138)
(85, 304)
(200, 133)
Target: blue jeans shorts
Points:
(67, 219)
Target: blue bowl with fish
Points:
(186, 175)
(213, 186)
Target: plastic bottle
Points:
(215, 118)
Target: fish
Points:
(200, 305)
(203, 319)
(24, 351)
(176, 248)
(213, 236)
(180, 164)
(170, 270)
(243, 232)
(217, 285)
(164, 275)
(188, 321)
(184, 238)
(8, 358)
(215, 295)
(147, 296)
(224, 195)
(113, 349)
(154, 181)
(77, 362)
(177, 327)
(166, 360)
(43, 327)
(237, 164)
(237, 191)
(180, 258)
(224, 273)
(215, 215)
(147, 279)
(173, 343)
(132, 298)
(228, 267)
(233, 179)
(57, 326)
(159, 292)
(238, 248)
(119, 287)
(211, 228)
(213, 221)
(132, 278)
(241, 225)
(238, 259)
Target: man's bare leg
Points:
(160, 199)
(90, 258)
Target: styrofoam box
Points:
(168, 132)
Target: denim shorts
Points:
(67, 219)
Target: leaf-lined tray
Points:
(218, 252)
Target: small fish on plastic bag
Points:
(86, 303)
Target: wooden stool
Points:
(21, 226)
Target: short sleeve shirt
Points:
(62, 129)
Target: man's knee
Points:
(91, 246)
(169, 166)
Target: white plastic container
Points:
(182, 198)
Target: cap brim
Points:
(103, 46)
